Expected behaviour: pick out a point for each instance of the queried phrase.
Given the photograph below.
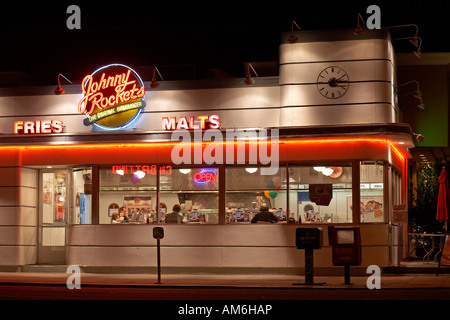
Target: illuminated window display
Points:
(196, 190)
(372, 188)
(81, 196)
(303, 181)
(319, 193)
(130, 186)
(248, 190)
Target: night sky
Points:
(223, 35)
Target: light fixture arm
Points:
(293, 38)
(248, 70)
(411, 38)
(154, 74)
(358, 19)
(154, 84)
(59, 90)
(409, 82)
(248, 78)
(406, 25)
(417, 93)
(292, 26)
(61, 75)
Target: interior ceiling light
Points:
(327, 172)
(155, 84)
(140, 174)
(184, 171)
(251, 170)
(59, 90)
(359, 29)
(248, 78)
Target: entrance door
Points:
(53, 215)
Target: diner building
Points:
(321, 144)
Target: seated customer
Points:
(123, 215)
(174, 216)
(264, 215)
(115, 217)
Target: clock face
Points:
(332, 82)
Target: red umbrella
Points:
(443, 198)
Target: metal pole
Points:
(309, 266)
(158, 250)
(347, 274)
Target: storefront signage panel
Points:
(191, 122)
(38, 127)
(147, 169)
(113, 97)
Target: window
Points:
(372, 191)
(196, 190)
(132, 187)
(321, 193)
(82, 195)
(247, 190)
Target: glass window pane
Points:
(195, 190)
(248, 190)
(82, 196)
(372, 192)
(130, 187)
(321, 193)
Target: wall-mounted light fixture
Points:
(293, 38)
(359, 30)
(414, 40)
(416, 94)
(59, 90)
(154, 84)
(248, 78)
(419, 137)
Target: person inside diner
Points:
(120, 217)
(264, 215)
(174, 216)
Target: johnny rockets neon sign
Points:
(113, 97)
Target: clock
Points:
(332, 82)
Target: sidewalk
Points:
(388, 281)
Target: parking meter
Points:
(309, 239)
(158, 233)
(346, 247)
